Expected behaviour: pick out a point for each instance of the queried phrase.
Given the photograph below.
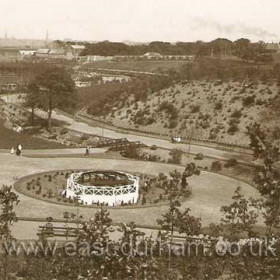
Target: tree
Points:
(54, 87)
(239, 216)
(261, 147)
(176, 156)
(130, 237)
(188, 224)
(170, 218)
(32, 99)
(8, 199)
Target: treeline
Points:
(241, 48)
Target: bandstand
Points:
(110, 188)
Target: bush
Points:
(195, 109)
(153, 147)
(53, 137)
(176, 156)
(231, 163)
(64, 130)
(232, 129)
(199, 156)
(142, 118)
(248, 101)
(236, 114)
(219, 106)
(84, 137)
(131, 152)
(169, 108)
(172, 123)
(260, 102)
(216, 166)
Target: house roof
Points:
(78, 47)
(152, 54)
(43, 51)
(27, 52)
(56, 51)
(272, 47)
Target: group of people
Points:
(18, 150)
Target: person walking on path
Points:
(87, 152)
(12, 150)
(19, 150)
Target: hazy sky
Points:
(141, 20)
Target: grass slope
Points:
(10, 138)
(203, 109)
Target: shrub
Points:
(154, 147)
(142, 117)
(219, 105)
(231, 163)
(84, 137)
(172, 123)
(64, 130)
(236, 114)
(144, 200)
(53, 137)
(195, 109)
(169, 108)
(176, 156)
(248, 101)
(260, 102)
(199, 156)
(232, 129)
(216, 166)
(131, 152)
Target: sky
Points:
(142, 20)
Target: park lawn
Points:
(143, 66)
(10, 138)
(49, 186)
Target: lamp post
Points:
(192, 132)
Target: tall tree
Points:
(7, 217)
(54, 87)
(32, 99)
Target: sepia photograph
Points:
(139, 140)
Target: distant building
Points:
(92, 58)
(76, 50)
(43, 52)
(272, 47)
(9, 54)
(152, 55)
(57, 53)
(24, 53)
(9, 87)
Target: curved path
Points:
(71, 123)
(210, 191)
